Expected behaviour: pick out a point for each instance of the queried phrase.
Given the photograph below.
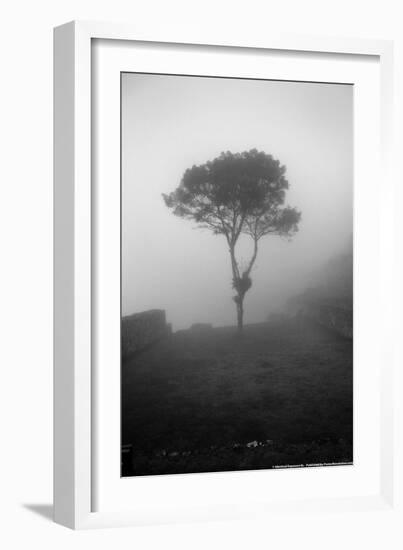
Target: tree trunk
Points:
(239, 310)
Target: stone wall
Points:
(329, 300)
(140, 330)
(334, 317)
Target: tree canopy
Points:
(234, 194)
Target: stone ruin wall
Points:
(140, 330)
(336, 318)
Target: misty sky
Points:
(170, 123)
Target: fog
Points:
(170, 123)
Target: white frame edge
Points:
(72, 256)
(72, 275)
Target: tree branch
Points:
(234, 263)
(252, 260)
(238, 231)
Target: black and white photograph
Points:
(201, 283)
(236, 274)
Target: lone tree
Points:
(234, 194)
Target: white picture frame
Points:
(77, 418)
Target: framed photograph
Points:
(223, 269)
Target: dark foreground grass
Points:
(229, 458)
(193, 402)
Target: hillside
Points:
(196, 399)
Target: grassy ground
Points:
(194, 401)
